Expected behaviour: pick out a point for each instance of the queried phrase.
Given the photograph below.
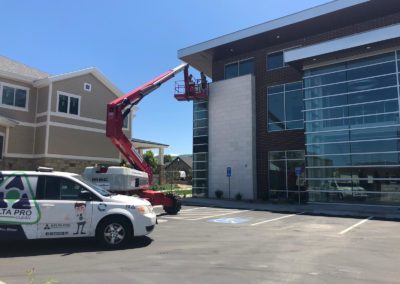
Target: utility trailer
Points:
(117, 110)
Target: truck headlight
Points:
(144, 209)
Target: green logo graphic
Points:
(17, 199)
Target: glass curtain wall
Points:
(200, 149)
(283, 181)
(353, 131)
(285, 107)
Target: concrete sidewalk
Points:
(345, 210)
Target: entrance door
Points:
(64, 214)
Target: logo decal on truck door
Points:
(17, 200)
(80, 212)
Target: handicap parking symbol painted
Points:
(236, 220)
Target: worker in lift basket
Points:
(191, 85)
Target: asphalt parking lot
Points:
(217, 245)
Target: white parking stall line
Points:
(191, 209)
(218, 215)
(275, 219)
(355, 225)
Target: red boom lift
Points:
(118, 109)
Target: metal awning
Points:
(343, 43)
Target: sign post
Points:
(298, 171)
(229, 174)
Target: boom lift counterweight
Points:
(118, 109)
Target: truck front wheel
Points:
(114, 232)
(176, 204)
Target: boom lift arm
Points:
(119, 108)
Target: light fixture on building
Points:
(368, 47)
(278, 36)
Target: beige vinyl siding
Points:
(43, 99)
(40, 140)
(92, 104)
(74, 142)
(41, 119)
(77, 122)
(20, 140)
(20, 114)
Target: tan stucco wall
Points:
(3, 129)
(66, 141)
(43, 95)
(16, 113)
(40, 140)
(21, 140)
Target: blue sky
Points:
(131, 42)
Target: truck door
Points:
(64, 213)
(19, 212)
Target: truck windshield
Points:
(97, 188)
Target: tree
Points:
(167, 159)
(151, 160)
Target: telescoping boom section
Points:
(119, 108)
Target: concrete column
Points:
(141, 151)
(162, 174)
(161, 155)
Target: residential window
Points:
(285, 107)
(1, 146)
(239, 68)
(275, 60)
(68, 103)
(14, 96)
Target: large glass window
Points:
(1, 146)
(284, 183)
(239, 68)
(14, 96)
(353, 131)
(285, 107)
(275, 60)
(200, 149)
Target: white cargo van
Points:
(47, 204)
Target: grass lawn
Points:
(178, 189)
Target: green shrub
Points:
(238, 196)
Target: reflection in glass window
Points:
(63, 103)
(8, 96)
(353, 131)
(68, 104)
(275, 60)
(1, 146)
(239, 68)
(231, 70)
(282, 178)
(13, 96)
(285, 107)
